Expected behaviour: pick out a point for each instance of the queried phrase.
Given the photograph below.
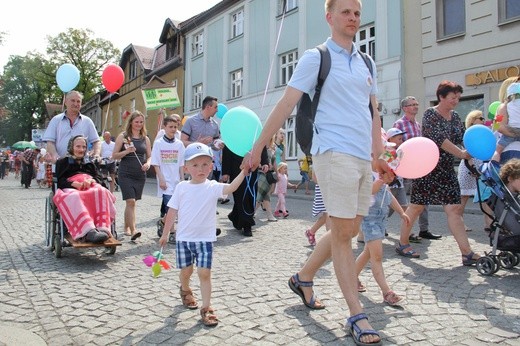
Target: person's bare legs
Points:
(322, 219)
(487, 219)
(456, 226)
(413, 211)
(462, 206)
(205, 286)
(342, 232)
(130, 217)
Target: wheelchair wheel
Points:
(517, 259)
(486, 266)
(507, 259)
(57, 244)
(48, 222)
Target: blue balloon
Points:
(480, 142)
(67, 77)
(240, 128)
(221, 110)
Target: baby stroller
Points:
(504, 236)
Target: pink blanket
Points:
(84, 210)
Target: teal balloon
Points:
(480, 142)
(239, 129)
(221, 110)
(67, 77)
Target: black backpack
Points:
(306, 111)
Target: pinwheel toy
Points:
(156, 261)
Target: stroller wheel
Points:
(517, 259)
(507, 259)
(486, 266)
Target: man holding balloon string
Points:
(345, 139)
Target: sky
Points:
(27, 23)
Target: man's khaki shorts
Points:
(345, 182)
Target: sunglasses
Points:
(481, 119)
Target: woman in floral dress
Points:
(442, 125)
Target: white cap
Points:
(394, 132)
(513, 89)
(196, 149)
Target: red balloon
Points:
(113, 77)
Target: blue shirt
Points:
(60, 131)
(343, 121)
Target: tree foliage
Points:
(23, 93)
(90, 55)
(29, 82)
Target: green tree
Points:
(24, 88)
(90, 55)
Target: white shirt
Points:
(169, 157)
(197, 210)
(107, 149)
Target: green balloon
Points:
(493, 109)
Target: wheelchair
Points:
(57, 237)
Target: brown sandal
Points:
(208, 317)
(188, 300)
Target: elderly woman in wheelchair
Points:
(86, 207)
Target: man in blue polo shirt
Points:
(68, 124)
(202, 127)
(346, 138)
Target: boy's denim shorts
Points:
(188, 253)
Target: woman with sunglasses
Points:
(467, 181)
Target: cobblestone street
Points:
(88, 297)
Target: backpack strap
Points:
(367, 61)
(325, 62)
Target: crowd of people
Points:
(195, 170)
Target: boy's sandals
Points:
(188, 300)
(208, 317)
(391, 298)
(357, 333)
(406, 251)
(470, 259)
(295, 285)
(310, 237)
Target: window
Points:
(366, 40)
(237, 23)
(289, 5)
(236, 83)
(508, 10)
(197, 47)
(132, 105)
(133, 70)
(451, 18)
(196, 101)
(287, 65)
(170, 49)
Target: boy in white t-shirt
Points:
(168, 162)
(194, 204)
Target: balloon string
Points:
(63, 103)
(272, 60)
(252, 191)
(106, 115)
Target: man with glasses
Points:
(412, 128)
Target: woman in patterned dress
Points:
(440, 187)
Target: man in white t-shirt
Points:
(107, 148)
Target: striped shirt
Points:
(411, 129)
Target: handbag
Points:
(271, 177)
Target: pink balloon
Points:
(418, 157)
(113, 78)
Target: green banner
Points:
(161, 98)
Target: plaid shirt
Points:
(412, 129)
(29, 155)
